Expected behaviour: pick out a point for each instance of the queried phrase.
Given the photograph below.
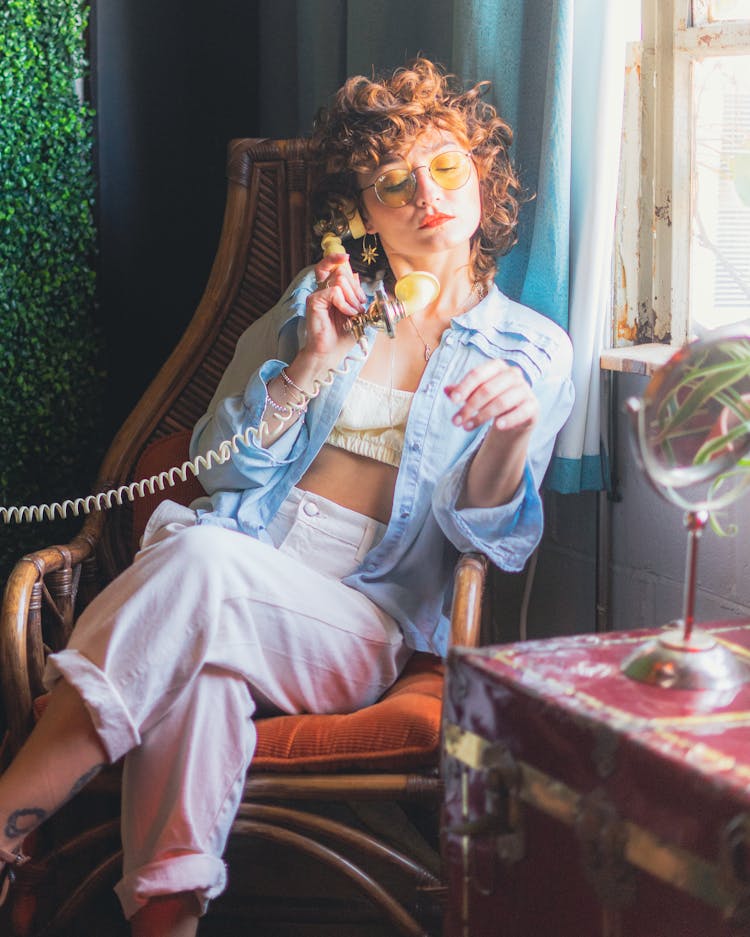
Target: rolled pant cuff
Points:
(111, 719)
(202, 874)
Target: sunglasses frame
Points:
(411, 174)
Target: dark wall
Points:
(172, 81)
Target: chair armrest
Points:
(468, 591)
(51, 579)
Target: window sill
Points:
(636, 359)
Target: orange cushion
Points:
(398, 733)
(159, 456)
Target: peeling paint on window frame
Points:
(652, 239)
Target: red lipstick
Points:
(434, 221)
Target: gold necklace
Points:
(477, 292)
(427, 349)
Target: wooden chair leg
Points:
(403, 922)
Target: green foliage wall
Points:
(50, 379)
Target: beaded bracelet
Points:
(290, 383)
(286, 409)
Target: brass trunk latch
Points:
(603, 839)
(502, 816)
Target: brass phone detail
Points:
(414, 291)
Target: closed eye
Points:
(395, 181)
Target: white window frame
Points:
(652, 272)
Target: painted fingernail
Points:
(457, 420)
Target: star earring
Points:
(369, 251)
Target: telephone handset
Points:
(413, 292)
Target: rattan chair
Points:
(337, 832)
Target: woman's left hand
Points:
(495, 391)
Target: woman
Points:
(322, 554)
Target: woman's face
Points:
(435, 219)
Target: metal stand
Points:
(683, 657)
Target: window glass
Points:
(714, 11)
(720, 223)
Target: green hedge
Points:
(50, 352)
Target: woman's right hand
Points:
(339, 295)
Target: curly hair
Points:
(371, 119)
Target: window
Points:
(683, 234)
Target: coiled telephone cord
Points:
(104, 500)
(413, 291)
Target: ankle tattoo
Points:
(84, 780)
(22, 822)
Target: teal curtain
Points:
(556, 70)
(526, 52)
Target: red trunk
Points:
(580, 803)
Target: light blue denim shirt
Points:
(409, 572)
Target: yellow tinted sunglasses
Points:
(396, 187)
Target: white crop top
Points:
(372, 422)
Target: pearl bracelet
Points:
(283, 374)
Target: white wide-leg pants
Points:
(207, 626)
